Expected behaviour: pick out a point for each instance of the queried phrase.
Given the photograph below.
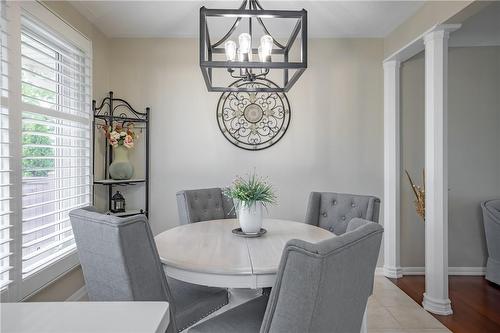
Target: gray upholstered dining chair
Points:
(120, 262)
(491, 220)
(322, 287)
(333, 211)
(204, 205)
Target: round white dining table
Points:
(208, 253)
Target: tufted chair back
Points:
(204, 205)
(333, 211)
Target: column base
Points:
(437, 306)
(393, 272)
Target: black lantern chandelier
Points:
(246, 61)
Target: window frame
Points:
(20, 288)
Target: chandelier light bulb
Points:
(245, 41)
(230, 48)
(244, 56)
(266, 42)
(261, 54)
(264, 55)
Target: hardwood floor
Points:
(475, 302)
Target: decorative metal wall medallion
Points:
(253, 120)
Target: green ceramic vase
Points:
(121, 168)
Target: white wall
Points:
(412, 159)
(474, 148)
(474, 151)
(334, 142)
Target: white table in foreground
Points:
(207, 253)
(84, 317)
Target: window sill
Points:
(36, 283)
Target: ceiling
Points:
(180, 18)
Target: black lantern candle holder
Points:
(117, 203)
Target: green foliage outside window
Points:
(43, 164)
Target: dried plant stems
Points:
(419, 192)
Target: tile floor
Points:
(390, 310)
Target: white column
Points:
(392, 170)
(436, 179)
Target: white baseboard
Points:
(415, 270)
(472, 271)
(78, 295)
(467, 271)
(451, 270)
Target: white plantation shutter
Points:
(56, 142)
(56, 171)
(5, 186)
(45, 144)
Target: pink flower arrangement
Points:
(119, 135)
(129, 141)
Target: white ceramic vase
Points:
(251, 217)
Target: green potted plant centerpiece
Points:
(250, 195)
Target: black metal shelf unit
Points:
(112, 111)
